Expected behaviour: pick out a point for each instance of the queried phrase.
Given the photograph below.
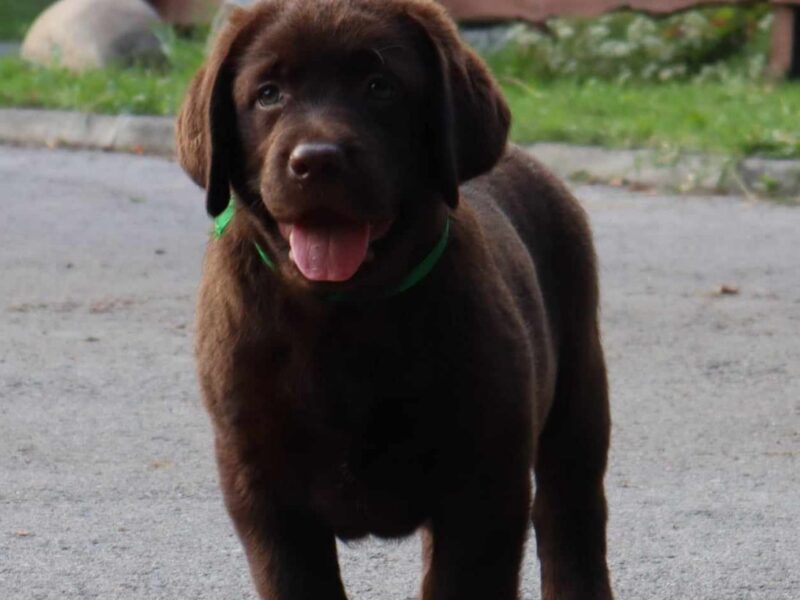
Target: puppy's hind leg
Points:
(569, 511)
(473, 549)
(570, 507)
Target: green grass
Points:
(131, 91)
(744, 118)
(138, 90)
(734, 118)
(17, 15)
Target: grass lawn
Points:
(17, 15)
(741, 118)
(136, 90)
(131, 91)
(737, 119)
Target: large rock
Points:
(85, 34)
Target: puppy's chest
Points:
(373, 394)
(364, 416)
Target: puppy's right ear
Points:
(207, 138)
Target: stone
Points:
(9, 49)
(86, 34)
(224, 12)
(493, 37)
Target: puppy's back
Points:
(529, 217)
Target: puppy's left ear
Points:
(470, 119)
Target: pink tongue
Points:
(329, 252)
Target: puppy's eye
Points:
(381, 88)
(269, 95)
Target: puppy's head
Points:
(344, 125)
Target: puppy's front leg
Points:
(292, 555)
(473, 549)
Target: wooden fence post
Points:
(784, 57)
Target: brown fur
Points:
(423, 410)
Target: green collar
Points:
(417, 274)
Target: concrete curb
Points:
(640, 169)
(673, 171)
(55, 128)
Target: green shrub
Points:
(17, 15)
(709, 44)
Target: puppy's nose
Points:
(316, 160)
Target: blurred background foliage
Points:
(693, 81)
(17, 15)
(711, 44)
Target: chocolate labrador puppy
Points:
(383, 348)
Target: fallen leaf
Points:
(161, 464)
(640, 186)
(727, 289)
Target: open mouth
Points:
(327, 247)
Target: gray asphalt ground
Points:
(107, 485)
